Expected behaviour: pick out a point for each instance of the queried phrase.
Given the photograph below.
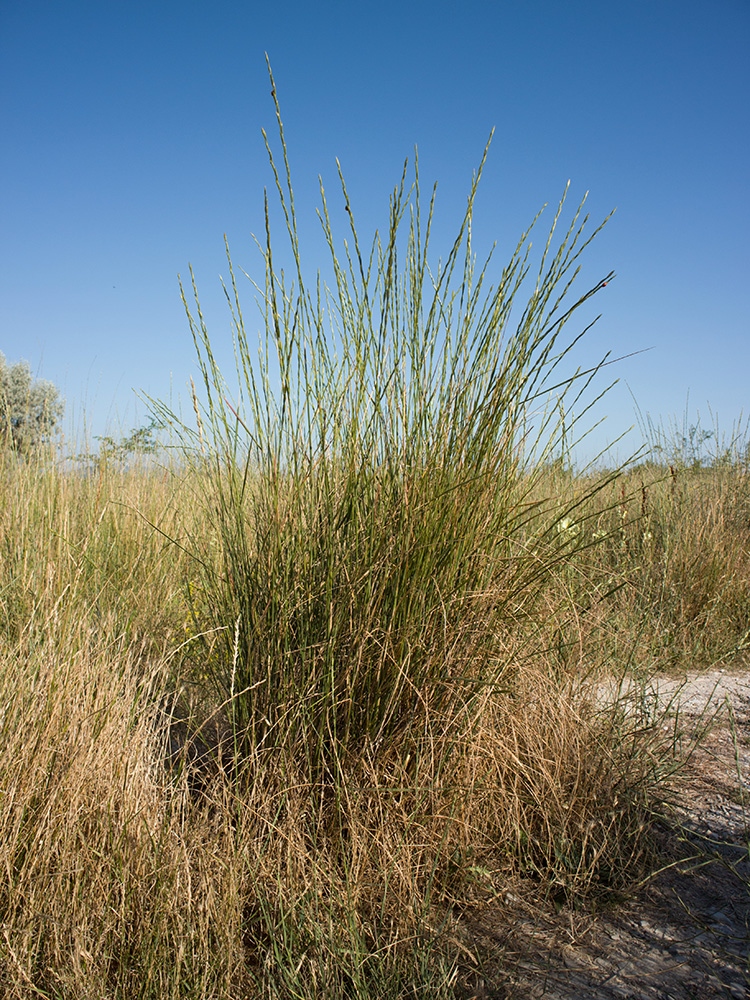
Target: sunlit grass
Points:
(121, 878)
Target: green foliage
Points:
(29, 408)
(139, 441)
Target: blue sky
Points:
(132, 143)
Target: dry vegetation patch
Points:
(683, 932)
(144, 858)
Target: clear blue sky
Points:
(131, 143)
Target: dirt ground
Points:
(685, 935)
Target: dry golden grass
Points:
(119, 880)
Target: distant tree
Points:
(29, 407)
(140, 441)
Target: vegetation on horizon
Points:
(29, 408)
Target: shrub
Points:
(29, 408)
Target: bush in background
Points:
(29, 408)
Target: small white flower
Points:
(567, 528)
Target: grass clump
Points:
(373, 487)
(372, 483)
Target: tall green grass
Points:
(372, 481)
(375, 574)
